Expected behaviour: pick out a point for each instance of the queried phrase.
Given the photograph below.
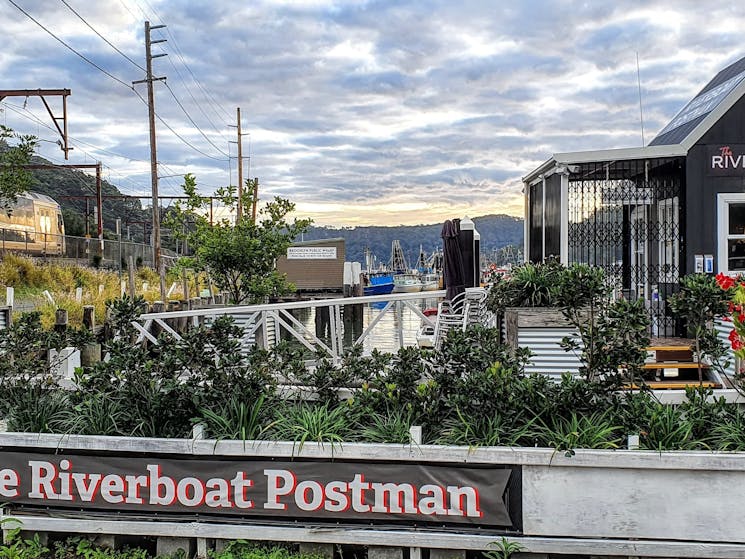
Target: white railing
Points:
(263, 324)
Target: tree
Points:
(240, 254)
(14, 179)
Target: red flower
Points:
(733, 335)
(737, 344)
(724, 281)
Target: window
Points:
(731, 233)
(668, 229)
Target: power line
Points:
(168, 87)
(207, 94)
(29, 115)
(88, 60)
(188, 90)
(179, 54)
(105, 40)
(137, 186)
(177, 134)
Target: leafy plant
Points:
(580, 431)
(238, 420)
(484, 430)
(14, 178)
(612, 334)
(504, 549)
(667, 429)
(239, 254)
(529, 285)
(729, 434)
(699, 301)
(241, 549)
(393, 427)
(304, 422)
(16, 547)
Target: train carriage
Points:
(34, 225)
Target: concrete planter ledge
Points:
(596, 502)
(523, 456)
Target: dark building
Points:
(652, 214)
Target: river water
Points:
(397, 327)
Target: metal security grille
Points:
(626, 217)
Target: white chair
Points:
(450, 315)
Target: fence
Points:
(112, 251)
(338, 322)
(671, 504)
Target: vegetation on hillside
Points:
(496, 231)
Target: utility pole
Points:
(157, 261)
(239, 210)
(99, 208)
(256, 198)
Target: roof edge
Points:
(713, 117)
(619, 154)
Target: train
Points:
(34, 225)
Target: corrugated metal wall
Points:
(248, 341)
(549, 357)
(723, 329)
(5, 317)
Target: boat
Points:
(430, 282)
(407, 283)
(380, 283)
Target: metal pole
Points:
(119, 235)
(256, 198)
(239, 210)
(99, 208)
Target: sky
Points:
(360, 112)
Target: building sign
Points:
(704, 103)
(311, 253)
(368, 492)
(726, 160)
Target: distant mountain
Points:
(70, 186)
(497, 231)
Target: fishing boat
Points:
(430, 282)
(407, 283)
(378, 283)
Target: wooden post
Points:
(131, 271)
(89, 317)
(60, 320)
(185, 284)
(155, 329)
(209, 286)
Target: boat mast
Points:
(398, 260)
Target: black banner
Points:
(726, 160)
(331, 491)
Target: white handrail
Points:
(279, 312)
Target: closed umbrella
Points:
(452, 263)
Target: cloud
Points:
(372, 111)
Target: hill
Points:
(497, 231)
(70, 187)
